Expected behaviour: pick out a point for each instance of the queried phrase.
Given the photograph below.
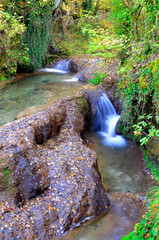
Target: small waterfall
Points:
(63, 65)
(60, 67)
(105, 122)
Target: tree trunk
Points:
(96, 7)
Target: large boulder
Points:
(56, 176)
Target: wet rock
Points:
(43, 132)
(73, 66)
(57, 178)
(88, 67)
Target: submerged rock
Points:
(57, 181)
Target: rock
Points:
(73, 66)
(29, 111)
(88, 69)
(153, 148)
(57, 178)
(2, 181)
(19, 146)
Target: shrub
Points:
(148, 228)
(98, 78)
(11, 48)
(138, 90)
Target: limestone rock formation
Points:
(55, 175)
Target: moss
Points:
(6, 176)
(81, 104)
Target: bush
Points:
(148, 228)
(138, 89)
(98, 78)
(11, 48)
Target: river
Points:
(121, 167)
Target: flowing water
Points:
(123, 176)
(106, 120)
(120, 162)
(37, 89)
(121, 166)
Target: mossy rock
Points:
(5, 174)
(82, 105)
(82, 102)
(5, 178)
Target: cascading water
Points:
(105, 122)
(63, 65)
(60, 67)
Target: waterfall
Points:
(105, 122)
(63, 65)
(60, 67)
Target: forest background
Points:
(33, 33)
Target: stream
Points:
(121, 167)
(41, 88)
(126, 182)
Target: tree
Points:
(135, 7)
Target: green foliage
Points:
(139, 94)
(138, 90)
(6, 176)
(99, 77)
(144, 129)
(39, 33)
(121, 18)
(148, 228)
(101, 39)
(151, 166)
(96, 36)
(26, 34)
(137, 19)
(10, 41)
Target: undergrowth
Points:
(96, 35)
(98, 78)
(148, 228)
(139, 94)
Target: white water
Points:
(74, 79)
(51, 70)
(61, 67)
(106, 121)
